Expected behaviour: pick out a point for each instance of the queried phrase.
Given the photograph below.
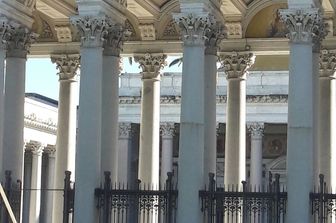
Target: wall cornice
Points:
(32, 121)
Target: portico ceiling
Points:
(149, 21)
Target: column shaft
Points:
(2, 105)
(149, 132)
(316, 156)
(35, 193)
(14, 116)
(235, 136)
(167, 136)
(300, 133)
(210, 137)
(89, 135)
(66, 127)
(110, 112)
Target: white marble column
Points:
(3, 48)
(167, 131)
(35, 182)
(88, 166)
(327, 119)
(50, 152)
(110, 109)
(125, 153)
(236, 66)
(256, 161)
(214, 36)
(191, 150)
(300, 142)
(149, 152)
(18, 44)
(67, 65)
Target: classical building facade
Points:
(269, 108)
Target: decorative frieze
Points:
(151, 64)
(301, 23)
(125, 130)
(20, 40)
(221, 99)
(63, 34)
(234, 30)
(92, 29)
(47, 125)
(67, 65)
(214, 35)
(256, 129)
(115, 37)
(147, 31)
(328, 64)
(194, 27)
(237, 64)
(167, 129)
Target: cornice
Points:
(32, 121)
(221, 99)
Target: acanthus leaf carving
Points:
(151, 64)
(237, 64)
(67, 64)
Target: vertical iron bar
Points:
(66, 197)
(107, 198)
(321, 200)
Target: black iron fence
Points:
(127, 204)
(267, 205)
(323, 203)
(13, 193)
(69, 199)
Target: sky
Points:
(42, 78)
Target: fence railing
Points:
(69, 199)
(323, 203)
(13, 193)
(145, 204)
(219, 205)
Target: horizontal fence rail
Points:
(323, 203)
(233, 205)
(124, 204)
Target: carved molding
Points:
(151, 64)
(147, 31)
(221, 99)
(194, 27)
(301, 23)
(20, 40)
(50, 150)
(34, 147)
(170, 31)
(214, 35)
(131, 29)
(115, 37)
(64, 34)
(236, 64)
(234, 30)
(125, 130)
(256, 129)
(67, 65)
(91, 29)
(32, 121)
(328, 64)
(167, 129)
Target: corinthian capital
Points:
(328, 64)
(214, 35)
(256, 129)
(19, 41)
(67, 65)
(167, 129)
(237, 64)
(194, 27)
(4, 32)
(92, 29)
(34, 147)
(151, 64)
(301, 23)
(114, 39)
(50, 150)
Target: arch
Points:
(255, 8)
(165, 21)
